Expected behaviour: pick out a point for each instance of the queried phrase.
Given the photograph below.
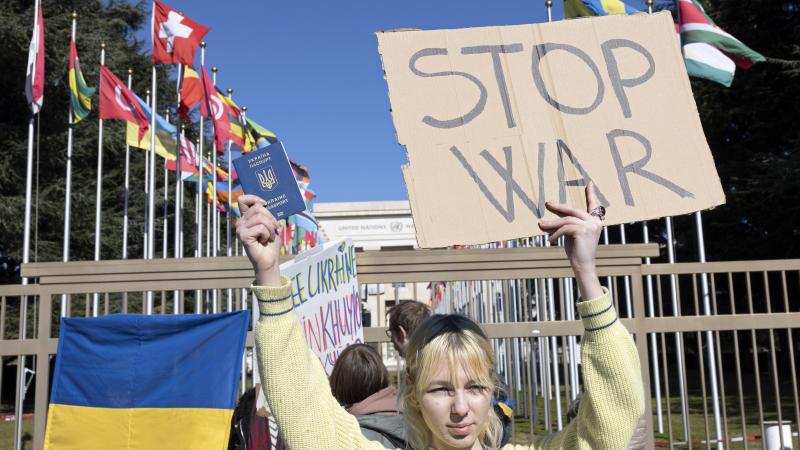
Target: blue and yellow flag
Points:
(145, 382)
(583, 8)
(166, 134)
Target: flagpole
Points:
(199, 212)
(68, 182)
(26, 243)
(145, 238)
(673, 281)
(152, 184)
(99, 199)
(165, 233)
(712, 357)
(179, 179)
(653, 342)
(229, 214)
(233, 246)
(178, 295)
(213, 214)
(214, 219)
(126, 188)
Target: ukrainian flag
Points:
(135, 382)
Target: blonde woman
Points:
(450, 364)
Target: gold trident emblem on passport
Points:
(267, 179)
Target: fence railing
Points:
(718, 342)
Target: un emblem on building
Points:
(267, 178)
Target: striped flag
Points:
(34, 79)
(130, 381)
(709, 51)
(191, 92)
(80, 93)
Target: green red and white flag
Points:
(710, 52)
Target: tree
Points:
(113, 23)
(753, 129)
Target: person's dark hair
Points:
(358, 373)
(408, 314)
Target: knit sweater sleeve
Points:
(295, 383)
(614, 398)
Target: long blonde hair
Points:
(458, 342)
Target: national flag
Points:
(191, 92)
(236, 192)
(709, 51)
(175, 36)
(208, 171)
(262, 136)
(309, 194)
(238, 134)
(189, 159)
(166, 134)
(34, 79)
(80, 93)
(300, 172)
(146, 382)
(210, 195)
(213, 106)
(118, 102)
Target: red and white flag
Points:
(118, 102)
(217, 109)
(189, 159)
(34, 79)
(175, 36)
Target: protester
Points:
(450, 363)
(250, 428)
(404, 318)
(360, 383)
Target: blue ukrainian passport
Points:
(266, 173)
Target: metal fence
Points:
(717, 341)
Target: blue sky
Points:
(310, 72)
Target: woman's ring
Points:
(599, 212)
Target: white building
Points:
(375, 226)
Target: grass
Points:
(7, 434)
(523, 434)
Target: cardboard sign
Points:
(326, 297)
(498, 120)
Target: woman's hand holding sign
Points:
(581, 230)
(258, 231)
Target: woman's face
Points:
(455, 413)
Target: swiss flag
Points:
(175, 36)
(118, 102)
(217, 109)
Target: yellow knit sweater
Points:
(310, 418)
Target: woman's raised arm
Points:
(294, 381)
